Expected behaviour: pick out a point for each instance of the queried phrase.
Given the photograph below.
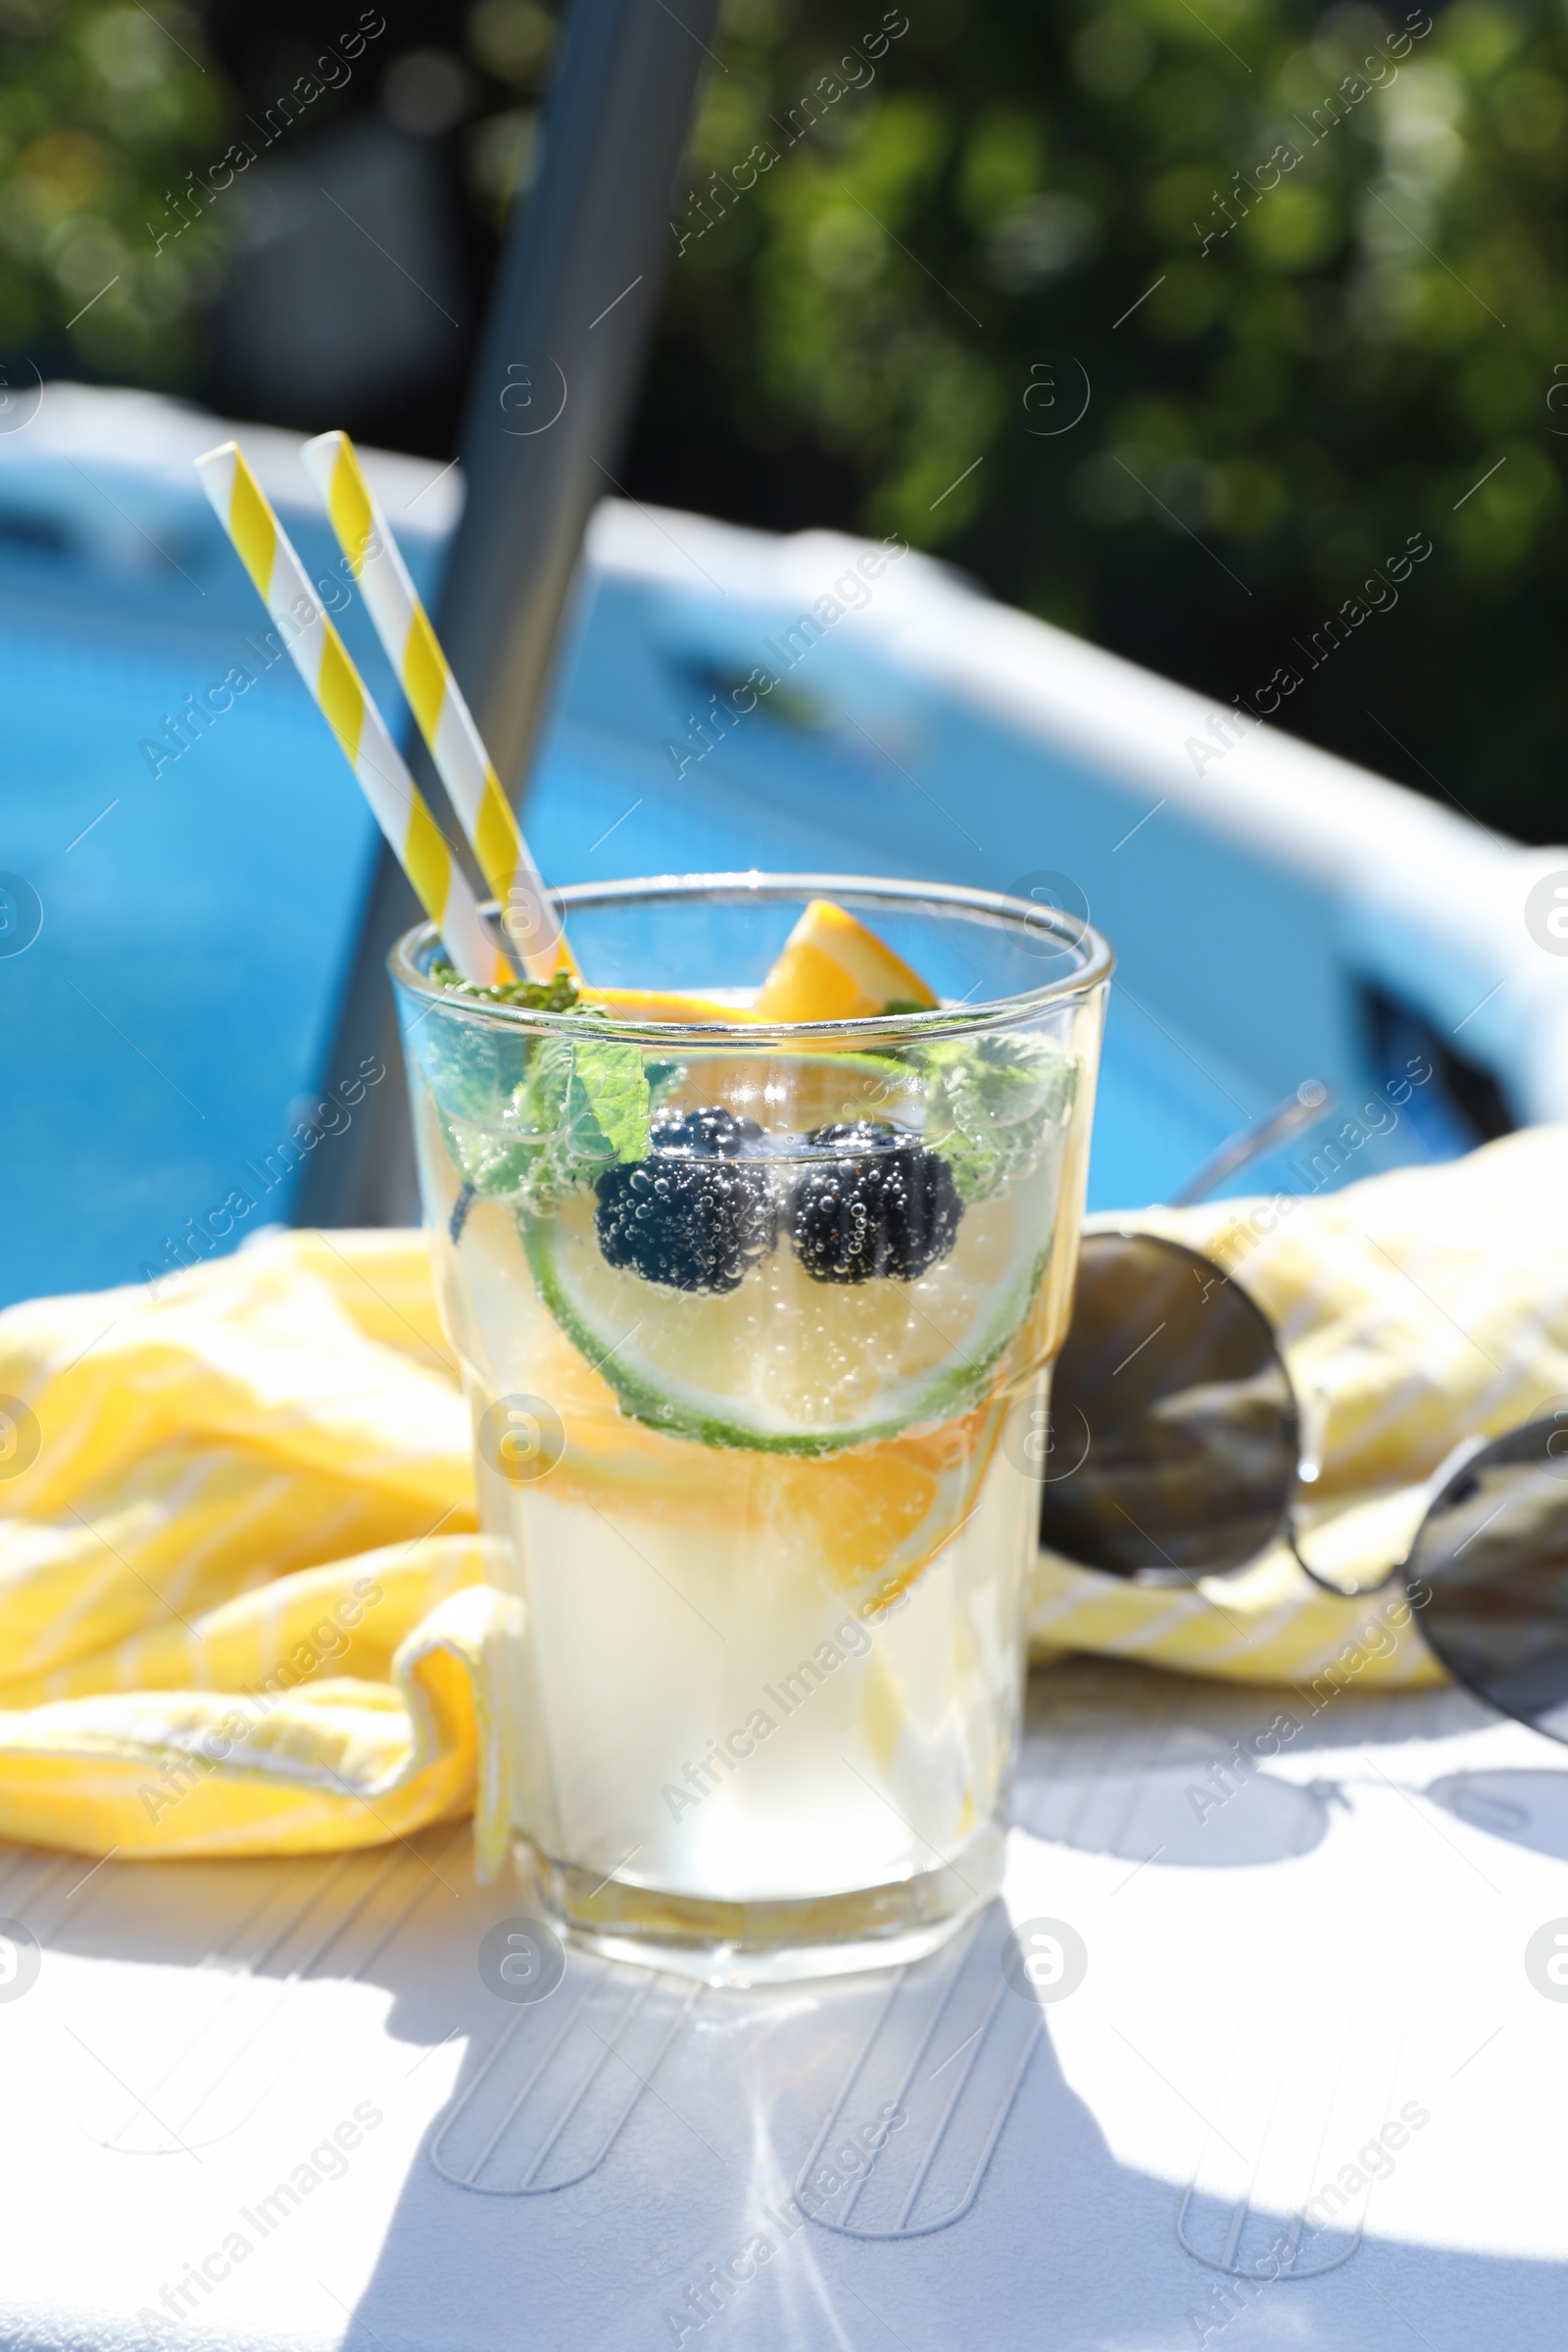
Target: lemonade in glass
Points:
(754, 1314)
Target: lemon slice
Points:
(784, 1364)
(832, 968)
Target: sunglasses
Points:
(1174, 1451)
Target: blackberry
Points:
(691, 1214)
(890, 1207)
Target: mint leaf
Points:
(529, 1118)
(558, 994)
(489, 1162)
(589, 1101)
(611, 1085)
(995, 1104)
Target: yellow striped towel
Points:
(242, 1606)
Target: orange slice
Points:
(873, 1516)
(832, 968)
(648, 1005)
(876, 1516)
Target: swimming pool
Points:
(200, 882)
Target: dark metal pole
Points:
(561, 364)
(551, 398)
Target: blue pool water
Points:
(164, 1030)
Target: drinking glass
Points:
(756, 1322)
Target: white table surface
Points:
(1271, 1979)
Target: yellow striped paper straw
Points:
(528, 913)
(399, 807)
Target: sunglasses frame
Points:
(1528, 1443)
(1458, 1463)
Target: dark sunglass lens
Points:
(1492, 1553)
(1171, 1391)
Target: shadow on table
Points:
(893, 2158)
(1526, 1809)
(890, 2160)
(1121, 1759)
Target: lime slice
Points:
(787, 1365)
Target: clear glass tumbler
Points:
(756, 1323)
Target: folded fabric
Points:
(242, 1596)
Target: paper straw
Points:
(400, 809)
(529, 914)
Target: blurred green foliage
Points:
(1313, 266)
(104, 111)
(1311, 270)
